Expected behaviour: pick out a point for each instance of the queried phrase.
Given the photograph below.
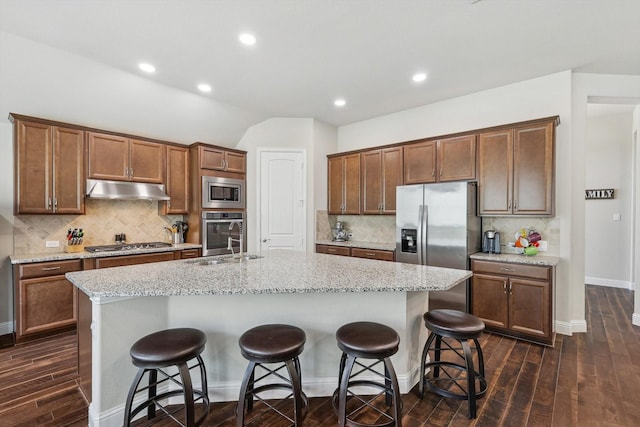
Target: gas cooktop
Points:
(127, 246)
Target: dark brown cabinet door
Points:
(533, 170)
(68, 170)
(235, 162)
(177, 181)
(108, 157)
(34, 158)
(457, 158)
(49, 169)
(490, 300)
(529, 308)
(420, 162)
(146, 161)
(344, 184)
(48, 304)
(495, 172)
(381, 174)
(219, 159)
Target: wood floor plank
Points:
(586, 379)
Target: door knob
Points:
(265, 240)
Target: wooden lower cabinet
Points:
(514, 299)
(378, 254)
(45, 301)
(119, 261)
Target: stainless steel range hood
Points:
(123, 190)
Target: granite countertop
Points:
(358, 244)
(279, 271)
(60, 256)
(544, 260)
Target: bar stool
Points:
(156, 352)
(461, 379)
(367, 340)
(269, 344)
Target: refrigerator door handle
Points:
(422, 234)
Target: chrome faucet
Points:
(230, 240)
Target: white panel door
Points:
(281, 195)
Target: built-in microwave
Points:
(227, 193)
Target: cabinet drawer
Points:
(44, 269)
(372, 254)
(333, 250)
(118, 261)
(189, 253)
(510, 269)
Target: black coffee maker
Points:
(491, 242)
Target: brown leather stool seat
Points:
(155, 353)
(461, 372)
(367, 340)
(269, 344)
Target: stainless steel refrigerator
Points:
(437, 224)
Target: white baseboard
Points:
(6, 328)
(598, 281)
(635, 319)
(227, 392)
(569, 328)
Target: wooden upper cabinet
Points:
(495, 171)
(146, 161)
(224, 160)
(177, 181)
(49, 169)
(516, 170)
(119, 158)
(450, 159)
(344, 184)
(381, 174)
(457, 158)
(420, 162)
(533, 170)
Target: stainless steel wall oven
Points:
(216, 232)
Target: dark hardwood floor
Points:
(590, 379)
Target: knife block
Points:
(74, 248)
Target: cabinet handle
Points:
(510, 289)
(50, 268)
(49, 204)
(504, 286)
(509, 205)
(55, 204)
(331, 250)
(370, 254)
(507, 269)
(515, 205)
(440, 172)
(433, 173)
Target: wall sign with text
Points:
(606, 193)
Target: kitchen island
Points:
(316, 292)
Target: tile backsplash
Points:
(365, 228)
(381, 228)
(549, 229)
(138, 219)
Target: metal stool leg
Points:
(243, 399)
(132, 392)
(296, 383)
(187, 390)
(471, 378)
(342, 395)
(395, 391)
(425, 352)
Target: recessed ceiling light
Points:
(146, 67)
(339, 102)
(419, 77)
(247, 39)
(203, 87)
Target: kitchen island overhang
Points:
(316, 292)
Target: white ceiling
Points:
(311, 51)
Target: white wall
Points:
(315, 138)
(608, 161)
(531, 99)
(584, 88)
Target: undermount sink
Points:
(230, 259)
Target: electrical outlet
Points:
(542, 245)
(52, 244)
